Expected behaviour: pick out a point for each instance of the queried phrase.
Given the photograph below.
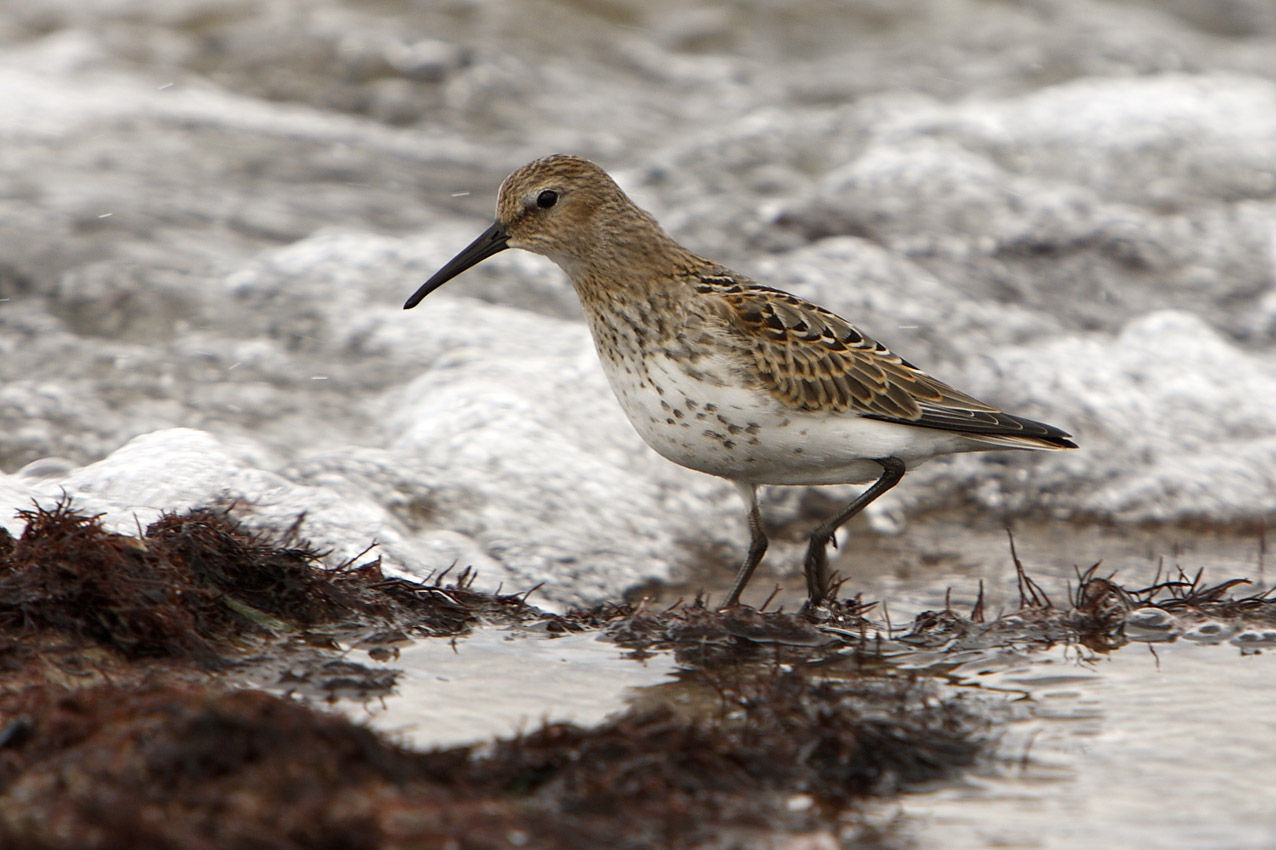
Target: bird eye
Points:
(547, 199)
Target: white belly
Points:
(709, 422)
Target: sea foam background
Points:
(211, 213)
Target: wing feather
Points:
(811, 359)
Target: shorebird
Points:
(726, 376)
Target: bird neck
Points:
(629, 265)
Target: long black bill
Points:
(493, 241)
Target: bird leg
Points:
(757, 542)
(818, 581)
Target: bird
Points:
(727, 376)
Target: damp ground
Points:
(199, 685)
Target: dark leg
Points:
(757, 542)
(818, 581)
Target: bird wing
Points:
(811, 359)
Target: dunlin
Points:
(723, 375)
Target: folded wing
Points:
(813, 360)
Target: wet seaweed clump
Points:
(702, 636)
(185, 766)
(185, 589)
(1103, 615)
(778, 737)
(66, 577)
(188, 766)
(196, 585)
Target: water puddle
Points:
(1165, 749)
(1164, 742)
(499, 682)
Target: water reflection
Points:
(1165, 747)
(497, 682)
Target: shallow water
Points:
(1165, 747)
(939, 559)
(1134, 749)
(498, 682)
(1156, 744)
